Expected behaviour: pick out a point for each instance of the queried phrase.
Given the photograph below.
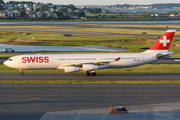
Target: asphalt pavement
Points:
(82, 76)
(31, 102)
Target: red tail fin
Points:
(165, 41)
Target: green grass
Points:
(60, 37)
(102, 14)
(114, 30)
(9, 36)
(141, 25)
(110, 30)
(38, 27)
(89, 82)
(133, 43)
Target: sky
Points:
(101, 2)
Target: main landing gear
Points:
(21, 73)
(93, 73)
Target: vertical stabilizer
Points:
(164, 42)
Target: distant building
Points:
(20, 6)
(64, 13)
(17, 13)
(52, 9)
(25, 6)
(54, 15)
(2, 14)
(46, 14)
(29, 8)
(39, 14)
(158, 15)
(30, 14)
(72, 15)
(15, 7)
(173, 15)
(10, 8)
(9, 14)
(69, 10)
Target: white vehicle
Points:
(91, 62)
(8, 50)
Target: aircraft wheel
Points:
(94, 73)
(88, 73)
(21, 73)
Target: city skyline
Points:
(101, 2)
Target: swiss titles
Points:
(40, 59)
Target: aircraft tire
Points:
(94, 73)
(88, 73)
(21, 73)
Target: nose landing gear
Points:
(21, 73)
(93, 73)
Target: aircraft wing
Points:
(95, 63)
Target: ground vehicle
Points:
(8, 50)
(118, 109)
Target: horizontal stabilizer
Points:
(160, 56)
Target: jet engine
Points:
(89, 67)
(69, 69)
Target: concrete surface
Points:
(164, 111)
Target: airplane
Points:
(91, 62)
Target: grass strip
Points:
(90, 82)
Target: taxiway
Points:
(82, 76)
(32, 102)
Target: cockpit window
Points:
(9, 59)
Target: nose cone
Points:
(5, 63)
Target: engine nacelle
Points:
(103, 66)
(89, 67)
(69, 69)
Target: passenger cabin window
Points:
(82, 59)
(109, 58)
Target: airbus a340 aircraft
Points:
(91, 62)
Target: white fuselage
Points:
(57, 61)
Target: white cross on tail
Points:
(164, 41)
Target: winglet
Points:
(117, 59)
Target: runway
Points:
(83, 32)
(82, 76)
(31, 102)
